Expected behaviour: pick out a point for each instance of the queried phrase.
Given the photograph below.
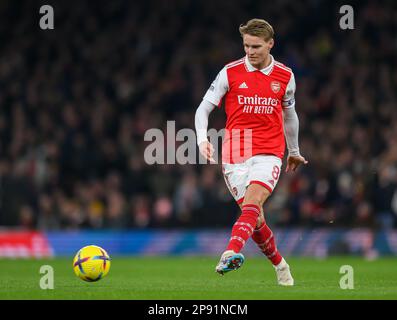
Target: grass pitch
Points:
(194, 278)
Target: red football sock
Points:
(244, 227)
(266, 242)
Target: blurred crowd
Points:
(76, 101)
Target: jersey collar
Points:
(251, 68)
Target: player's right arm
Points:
(212, 98)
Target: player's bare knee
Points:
(252, 200)
(256, 194)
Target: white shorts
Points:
(261, 169)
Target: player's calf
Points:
(264, 238)
(244, 227)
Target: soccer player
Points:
(260, 110)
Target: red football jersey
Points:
(253, 104)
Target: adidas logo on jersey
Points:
(243, 86)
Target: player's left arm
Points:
(291, 128)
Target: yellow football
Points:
(91, 263)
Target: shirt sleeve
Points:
(201, 120)
(291, 130)
(218, 88)
(289, 96)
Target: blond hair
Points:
(257, 27)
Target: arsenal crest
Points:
(275, 85)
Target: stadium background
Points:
(76, 101)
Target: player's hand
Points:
(293, 162)
(207, 150)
